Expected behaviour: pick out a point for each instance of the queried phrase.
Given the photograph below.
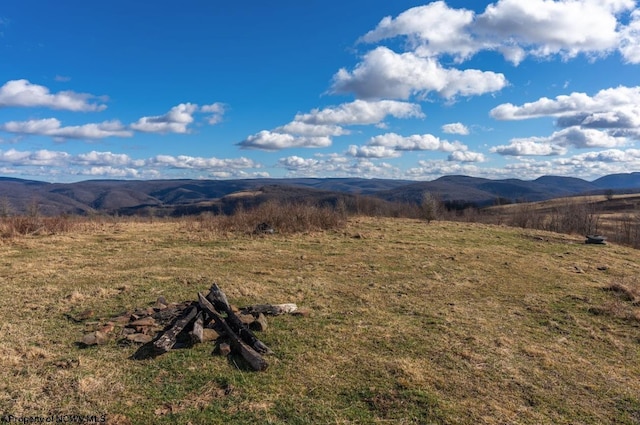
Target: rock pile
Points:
(166, 326)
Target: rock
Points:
(145, 321)
(259, 323)
(247, 319)
(94, 338)
(139, 338)
(303, 312)
(603, 268)
(108, 328)
(224, 349)
(123, 318)
(209, 334)
(162, 300)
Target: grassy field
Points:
(447, 323)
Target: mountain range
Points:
(180, 197)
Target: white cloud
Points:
(434, 28)
(338, 166)
(298, 163)
(466, 156)
(106, 159)
(112, 172)
(545, 27)
(416, 142)
(316, 128)
(361, 112)
(38, 158)
(372, 152)
(123, 166)
(619, 98)
(384, 73)
(304, 129)
(529, 148)
(630, 44)
(390, 145)
(431, 169)
(516, 28)
(455, 128)
(190, 162)
(585, 138)
(271, 141)
(559, 141)
(176, 120)
(609, 155)
(216, 110)
(22, 93)
(53, 127)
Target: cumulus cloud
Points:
(559, 142)
(430, 169)
(529, 148)
(190, 162)
(391, 145)
(455, 128)
(22, 93)
(608, 119)
(41, 157)
(619, 98)
(515, 28)
(416, 142)
(466, 156)
(110, 164)
(585, 138)
(216, 111)
(315, 129)
(630, 44)
(115, 173)
(543, 27)
(384, 73)
(95, 158)
(339, 166)
(176, 120)
(434, 28)
(272, 141)
(297, 163)
(361, 112)
(372, 152)
(304, 129)
(53, 127)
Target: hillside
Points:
(178, 197)
(448, 323)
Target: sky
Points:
(401, 89)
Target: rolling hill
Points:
(179, 197)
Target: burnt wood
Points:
(253, 358)
(218, 298)
(168, 338)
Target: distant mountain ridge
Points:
(19, 196)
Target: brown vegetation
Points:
(448, 323)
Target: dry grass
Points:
(448, 323)
(35, 225)
(616, 216)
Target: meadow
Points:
(410, 323)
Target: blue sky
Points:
(376, 89)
